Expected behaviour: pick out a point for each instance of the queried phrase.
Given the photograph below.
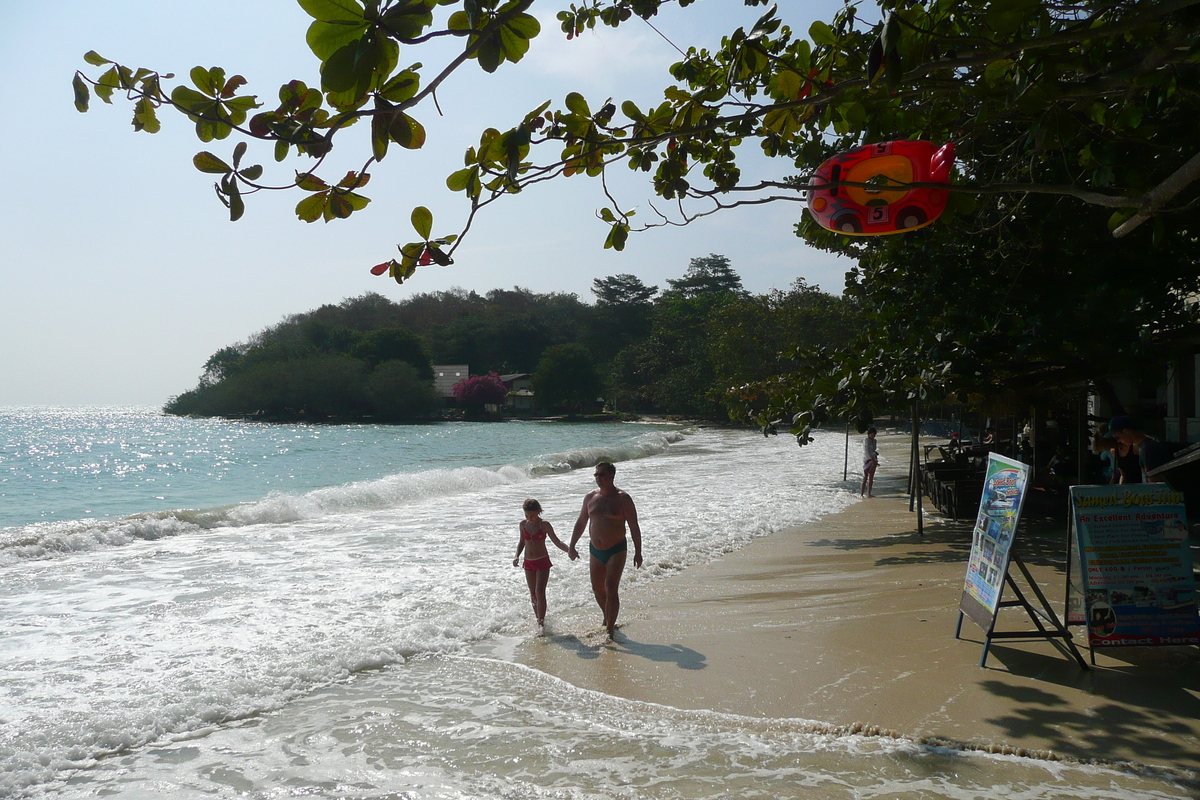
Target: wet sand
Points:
(850, 621)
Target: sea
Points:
(230, 609)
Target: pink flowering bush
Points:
(477, 391)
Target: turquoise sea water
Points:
(70, 463)
(198, 609)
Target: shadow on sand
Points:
(1151, 691)
(682, 657)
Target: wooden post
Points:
(917, 444)
(1085, 442)
(914, 462)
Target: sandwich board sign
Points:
(1005, 485)
(1134, 565)
(1000, 506)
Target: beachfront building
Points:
(445, 376)
(520, 391)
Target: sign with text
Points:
(999, 511)
(1136, 565)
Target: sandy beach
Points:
(849, 622)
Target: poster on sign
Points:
(1135, 565)
(991, 543)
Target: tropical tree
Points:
(755, 336)
(1107, 88)
(623, 291)
(708, 275)
(672, 368)
(396, 390)
(622, 315)
(394, 344)
(566, 378)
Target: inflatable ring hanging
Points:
(860, 211)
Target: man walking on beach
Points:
(606, 511)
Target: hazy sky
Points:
(121, 273)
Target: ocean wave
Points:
(49, 539)
(644, 446)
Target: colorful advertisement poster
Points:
(991, 544)
(1136, 565)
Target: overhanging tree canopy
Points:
(1104, 92)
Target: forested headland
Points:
(642, 349)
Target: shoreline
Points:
(848, 621)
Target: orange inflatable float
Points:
(862, 211)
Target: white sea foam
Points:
(46, 539)
(474, 728)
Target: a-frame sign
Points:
(1129, 567)
(992, 557)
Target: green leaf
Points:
(237, 206)
(512, 45)
(106, 84)
(821, 33)
(354, 180)
(312, 208)
(339, 207)
(875, 60)
(340, 73)
(789, 85)
(203, 80)
(325, 39)
(82, 95)
(891, 33)
(95, 59)
(578, 105)
(471, 11)
(190, 100)
(333, 10)
(403, 86)
(239, 150)
(422, 221)
(463, 180)
(1119, 217)
(616, 237)
(310, 183)
(407, 132)
(490, 53)
(408, 20)
(207, 162)
(145, 117)
(997, 71)
(252, 173)
(854, 113)
(1006, 16)
(379, 135)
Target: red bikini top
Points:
(532, 537)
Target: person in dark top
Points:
(1129, 466)
(1149, 451)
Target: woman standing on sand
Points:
(532, 540)
(870, 462)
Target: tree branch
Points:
(1154, 200)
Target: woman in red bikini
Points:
(532, 540)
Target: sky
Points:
(120, 272)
